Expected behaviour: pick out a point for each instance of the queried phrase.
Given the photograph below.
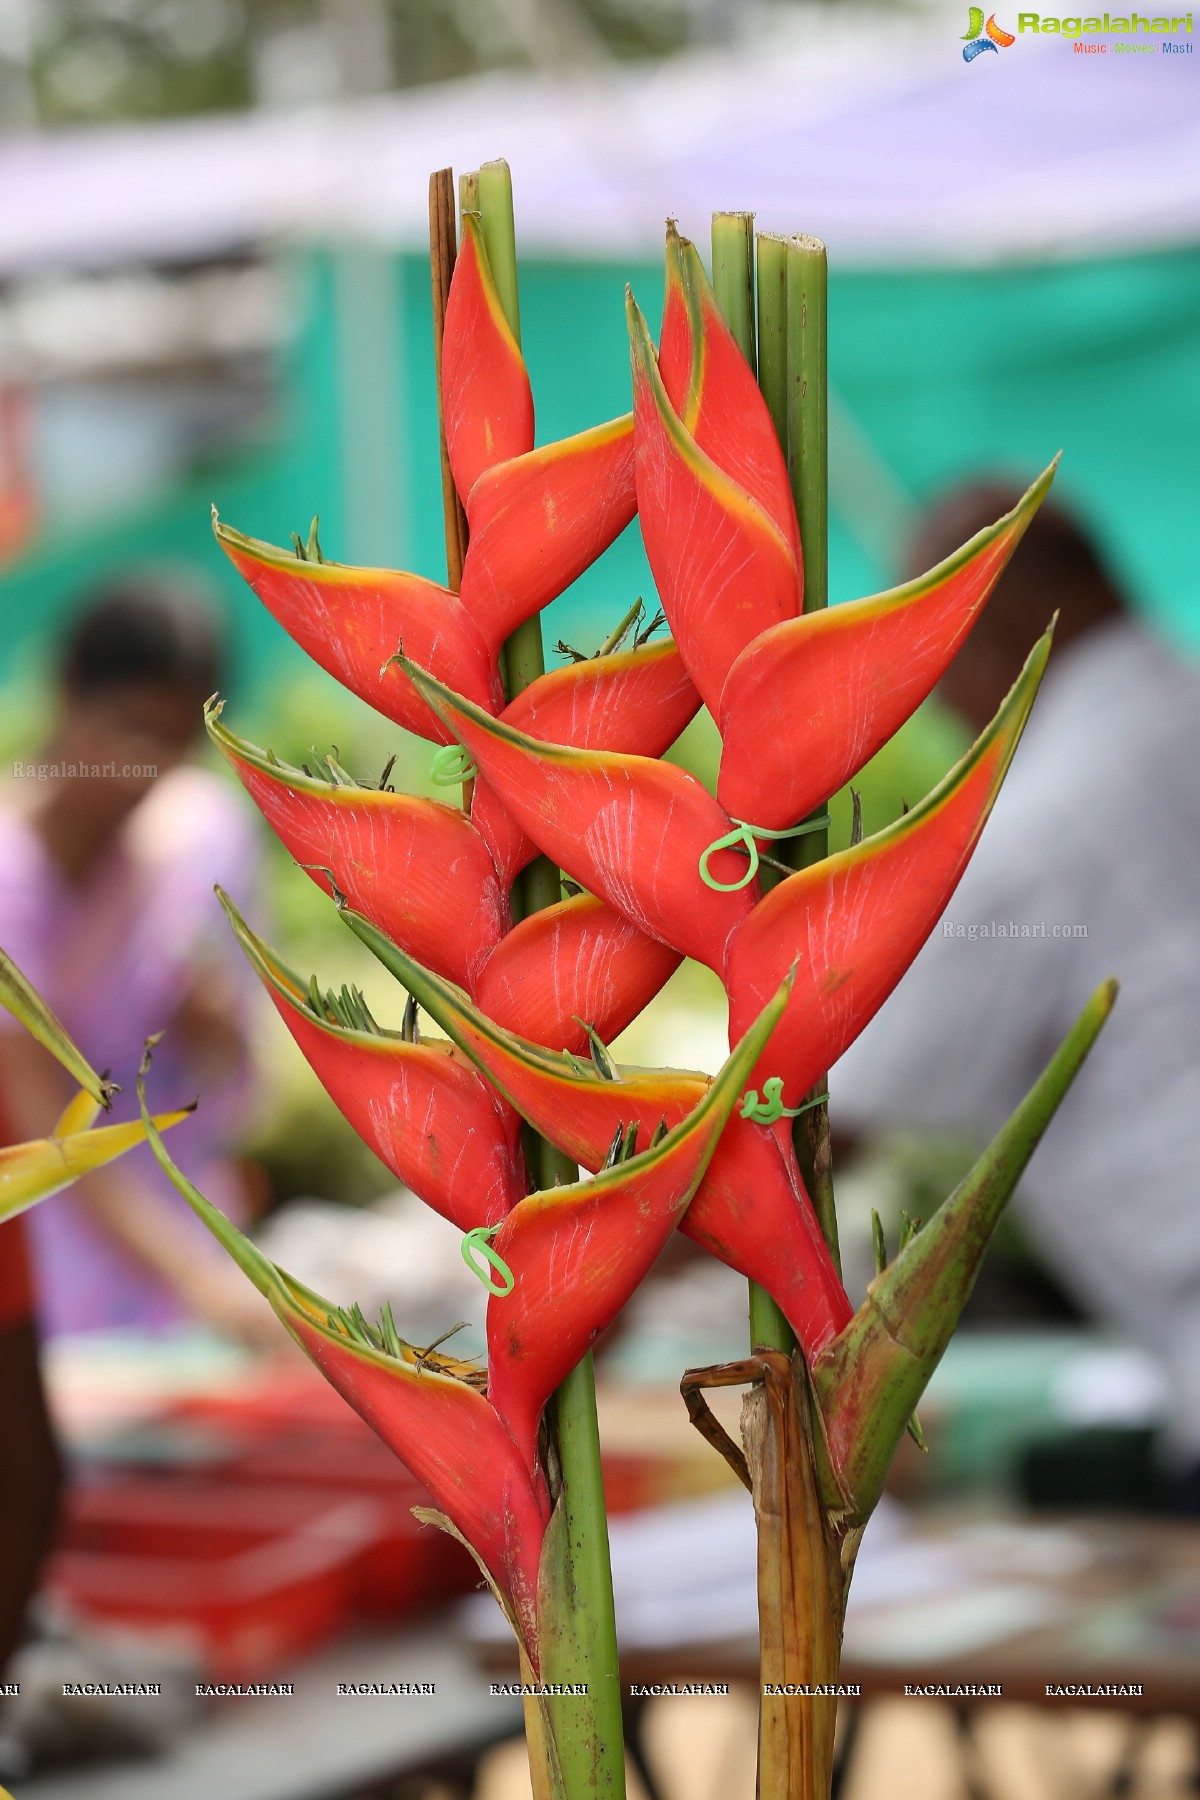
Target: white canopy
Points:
(881, 140)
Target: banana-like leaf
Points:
(577, 961)
(352, 621)
(428, 1408)
(423, 1108)
(577, 1253)
(635, 700)
(22, 1000)
(812, 700)
(418, 869)
(486, 397)
(538, 522)
(625, 827)
(854, 922)
(724, 570)
(712, 388)
(750, 1208)
(871, 1377)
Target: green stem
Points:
(808, 467)
(523, 656)
(733, 276)
(772, 329)
(733, 285)
(808, 409)
(588, 1731)
(468, 191)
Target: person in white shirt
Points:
(1089, 867)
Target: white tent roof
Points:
(885, 143)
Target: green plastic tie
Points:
(745, 835)
(451, 764)
(771, 1107)
(480, 1239)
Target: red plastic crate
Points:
(240, 1575)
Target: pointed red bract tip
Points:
(352, 622)
(724, 570)
(852, 924)
(486, 397)
(862, 669)
(712, 388)
(416, 868)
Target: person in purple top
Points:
(110, 843)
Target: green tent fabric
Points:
(937, 375)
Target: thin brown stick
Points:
(443, 242)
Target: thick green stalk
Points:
(733, 285)
(588, 1730)
(733, 276)
(808, 466)
(772, 328)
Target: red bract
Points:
(636, 700)
(426, 1407)
(724, 569)
(712, 388)
(631, 829)
(577, 1253)
(852, 923)
(750, 1208)
(417, 868)
(572, 963)
(539, 521)
(486, 396)
(423, 1108)
(810, 701)
(352, 621)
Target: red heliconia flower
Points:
(573, 964)
(351, 621)
(750, 1208)
(628, 828)
(423, 1108)
(636, 700)
(810, 701)
(852, 923)
(724, 568)
(419, 869)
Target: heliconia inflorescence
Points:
(570, 767)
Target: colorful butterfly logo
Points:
(974, 40)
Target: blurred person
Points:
(109, 847)
(1088, 867)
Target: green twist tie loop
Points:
(771, 1107)
(451, 764)
(745, 834)
(480, 1239)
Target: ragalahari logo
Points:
(974, 40)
